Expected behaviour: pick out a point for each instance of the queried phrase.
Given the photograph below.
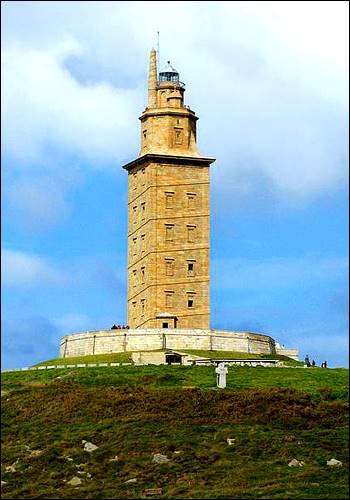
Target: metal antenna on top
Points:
(158, 53)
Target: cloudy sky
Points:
(269, 83)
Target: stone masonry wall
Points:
(109, 341)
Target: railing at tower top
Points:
(176, 83)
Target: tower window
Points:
(169, 232)
(134, 278)
(134, 246)
(142, 275)
(143, 306)
(134, 180)
(134, 214)
(143, 177)
(144, 134)
(169, 198)
(191, 234)
(178, 136)
(143, 210)
(143, 242)
(169, 299)
(134, 308)
(169, 267)
(190, 268)
(190, 299)
(191, 201)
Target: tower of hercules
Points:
(168, 213)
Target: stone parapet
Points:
(110, 341)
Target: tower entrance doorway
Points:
(173, 358)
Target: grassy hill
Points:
(273, 414)
(125, 357)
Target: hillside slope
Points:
(273, 415)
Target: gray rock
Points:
(3, 483)
(159, 458)
(89, 447)
(334, 463)
(114, 459)
(134, 480)
(296, 463)
(75, 481)
(230, 441)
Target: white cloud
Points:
(47, 111)
(19, 269)
(269, 86)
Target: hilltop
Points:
(273, 415)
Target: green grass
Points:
(118, 357)
(274, 414)
(242, 355)
(125, 357)
(310, 380)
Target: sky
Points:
(269, 82)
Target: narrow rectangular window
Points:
(143, 243)
(190, 299)
(169, 232)
(142, 274)
(134, 180)
(143, 301)
(134, 309)
(178, 136)
(143, 210)
(134, 278)
(169, 299)
(169, 267)
(190, 268)
(191, 201)
(134, 215)
(134, 246)
(191, 234)
(143, 176)
(169, 199)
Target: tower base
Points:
(111, 341)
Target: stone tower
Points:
(168, 212)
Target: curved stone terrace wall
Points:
(110, 341)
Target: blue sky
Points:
(270, 90)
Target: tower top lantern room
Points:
(169, 74)
(167, 125)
